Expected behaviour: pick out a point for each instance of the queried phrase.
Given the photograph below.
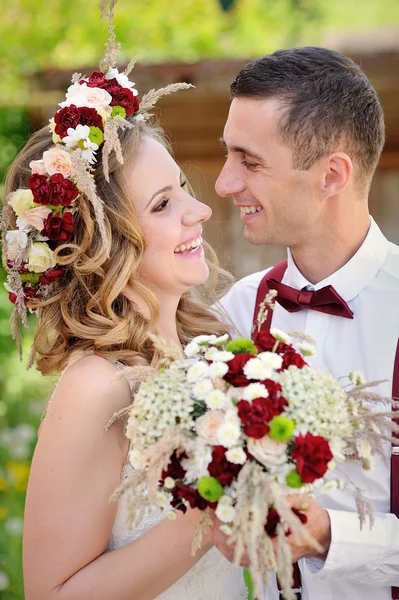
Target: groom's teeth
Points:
(191, 246)
(246, 210)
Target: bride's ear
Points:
(337, 172)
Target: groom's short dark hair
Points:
(330, 105)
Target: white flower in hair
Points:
(122, 79)
(16, 242)
(80, 137)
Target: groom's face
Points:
(278, 204)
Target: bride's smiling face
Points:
(171, 221)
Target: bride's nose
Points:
(196, 212)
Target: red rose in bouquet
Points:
(235, 375)
(265, 342)
(71, 116)
(174, 469)
(39, 186)
(62, 191)
(312, 454)
(220, 468)
(291, 357)
(257, 414)
(58, 228)
(191, 495)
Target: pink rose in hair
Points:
(57, 160)
(36, 216)
(37, 167)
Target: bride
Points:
(76, 542)
(107, 254)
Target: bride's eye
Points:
(161, 206)
(183, 183)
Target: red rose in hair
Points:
(96, 79)
(62, 191)
(38, 184)
(291, 357)
(312, 454)
(29, 292)
(265, 342)
(235, 375)
(71, 116)
(50, 276)
(58, 228)
(220, 468)
(121, 96)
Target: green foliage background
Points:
(38, 34)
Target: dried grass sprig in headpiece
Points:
(36, 219)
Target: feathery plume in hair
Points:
(6, 214)
(131, 65)
(76, 77)
(112, 142)
(152, 97)
(111, 47)
(86, 184)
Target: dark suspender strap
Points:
(395, 457)
(277, 273)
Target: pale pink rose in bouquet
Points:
(207, 426)
(57, 160)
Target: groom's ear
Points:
(336, 173)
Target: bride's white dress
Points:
(211, 578)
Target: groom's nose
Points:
(229, 181)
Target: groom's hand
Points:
(318, 526)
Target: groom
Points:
(303, 137)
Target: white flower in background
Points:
(16, 242)
(236, 456)
(218, 369)
(80, 137)
(271, 359)
(267, 451)
(257, 369)
(40, 257)
(228, 434)
(219, 355)
(208, 424)
(57, 160)
(225, 512)
(21, 200)
(191, 349)
(357, 377)
(254, 390)
(83, 95)
(198, 371)
(4, 581)
(122, 79)
(202, 388)
(306, 348)
(280, 335)
(14, 526)
(216, 399)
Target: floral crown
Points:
(89, 119)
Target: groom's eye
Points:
(248, 165)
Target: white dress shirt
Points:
(361, 564)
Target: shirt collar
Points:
(355, 275)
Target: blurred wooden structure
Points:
(195, 121)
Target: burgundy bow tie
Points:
(326, 300)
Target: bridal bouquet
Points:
(238, 426)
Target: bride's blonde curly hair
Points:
(88, 311)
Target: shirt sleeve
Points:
(369, 555)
